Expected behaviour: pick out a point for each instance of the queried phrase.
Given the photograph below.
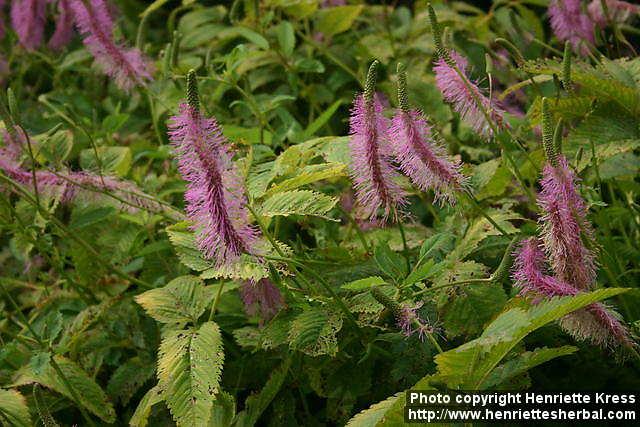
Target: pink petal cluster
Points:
(564, 226)
(28, 19)
(261, 298)
(465, 98)
(596, 323)
(570, 23)
(215, 198)
(127, 67)
(64, 26)
(371, 170)
(619, 11)
(423, 158)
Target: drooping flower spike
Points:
(126, 66)
(28, 20)
(261, 297)
(64, 26)
(418, 152)
(570, 23)
(371, 170)
(475, 108)
(596, 323)
(619, 11)
(564, 224)
(216, 204)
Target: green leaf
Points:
(314, 332)
(114, 160)
(128, 378)
(391, 263)
(256, 404)
(320, 121)
(141, 415)
(524, 362)
(298, 202)
(363, 284)
(189, 367)
(468, 366)
(56, 148)
(13, 409)
(89, 392)
(375, 413)
(224, 409)
(181, 300)
(286, 37)
(335, 20)
(250, 35)
(308, 175)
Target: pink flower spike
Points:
(596, 323)
(215, 198)
(261, 297)
(127, 67)
(570, 23)
(64, 26)
(564, 226)
(465, 98)
(28, 20)
(619, 11)
(422, 158)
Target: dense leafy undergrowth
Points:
(284, 265)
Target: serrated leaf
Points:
(308, 175)
(256, 404)
(141, 415)
(363, 284)
(180, 301)
(13, 409)
(89, 392)
(297, 202)
(112, 160)
(375, 413)
(128, 378)
(314, 332)
(189, 368)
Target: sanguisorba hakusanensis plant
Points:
(28, 19)
(374, 176)
(215, 196)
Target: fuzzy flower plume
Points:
(596, 323)
(410, 322)
(565, 227)
(70, 186)
(570, 23)
(28, 19)
(261, 298)
(619, 11)
(419, 154)
(215, 198)
(465, 96)
(127, 67)
(64, 26)
(371, 170)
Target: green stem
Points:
(475, 201)
(214, 306)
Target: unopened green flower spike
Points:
(370, 83)
(192, 90)
(547, 133)
(566, 68)
(505, 264)
(437, 36)
(557, 138)
(166, 61)
(175, 48)
(385, 300)
(488, 67)
(403, 100)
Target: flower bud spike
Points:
(403, 100)
(166, 60)
(437, 36)
(505, 264)
(192, 91)
(547, 133)
(488, 64)
(13, 106)
(566, 68)
(512, 49)
(370, 83)
(385, 300)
